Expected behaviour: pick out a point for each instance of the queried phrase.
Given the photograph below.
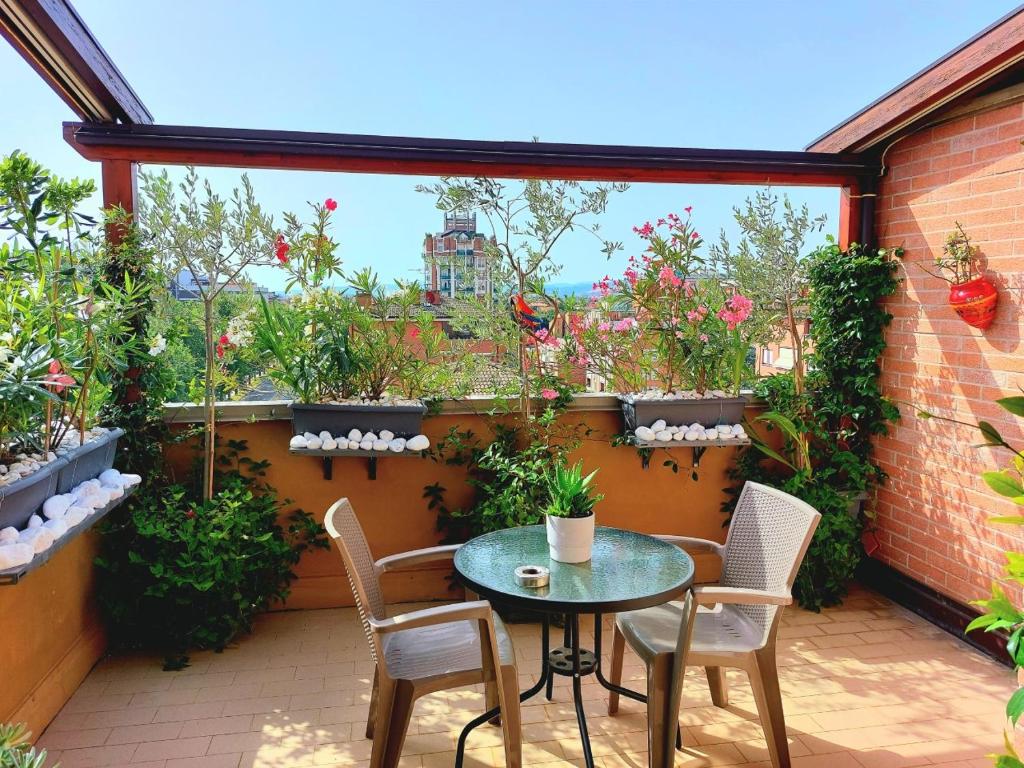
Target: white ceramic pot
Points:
(570, 539)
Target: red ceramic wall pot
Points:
(975, 301)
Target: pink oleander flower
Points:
(414, 332)
(548, 394)
(604, 326)
(646, 231)
(56, 379)
(667, 277)
(631, 276)
(688, 208)
(698, 314)
(281, 249)
(703, 337)
(625, 324)
(694, 236)
(331, 204)
(688, 288)
(736, 309)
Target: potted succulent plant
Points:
(971, 294)
(570, 513)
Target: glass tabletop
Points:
(628, 571)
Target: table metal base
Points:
(568, 660)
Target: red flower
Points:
(281, 249)
(331, 204)
(225, 340)
(220, 350)
(414, 332)
(55, 366)
(190, 514)
(56, 380)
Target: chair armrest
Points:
(714, 594)
(478, 610)
(691, 545)
(415, 557)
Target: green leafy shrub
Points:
(178, 573)
(825, 456)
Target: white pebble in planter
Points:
(418, 443)
(297, 442)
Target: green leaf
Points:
(1014, 405)
(1003, 484)
(1007, 520)
(991, 434)
(1015, 706)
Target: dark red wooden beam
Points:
(296, 150)
(53, 39)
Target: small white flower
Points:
(159, 345)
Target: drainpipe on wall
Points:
(869, 193)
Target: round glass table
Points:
(627, 571)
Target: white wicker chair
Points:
(766, 543)
(423, 651)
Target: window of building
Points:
(766, 356)
(785, 359)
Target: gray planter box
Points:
(87, 461)
(708, 413)
(404, 420)
(23, 498)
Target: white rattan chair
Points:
(423, 651)
(766, 543)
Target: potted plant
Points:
(668, 332)
(971, 294)
(570, 513)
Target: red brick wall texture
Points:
(932, 513)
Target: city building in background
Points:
(456, 263)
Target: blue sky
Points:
(724, 74)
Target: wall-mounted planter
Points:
(975, 301)
(87, 461)
(403, 420)
(709, 412)
(23, 498)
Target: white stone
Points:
(696, 427)
(314, 443)
(59, 527)
(691, 434)
(644, 433)
(131, 480)
(678, 436)
(371, 437)
(35, 521)
(397, 445)
(737, 429)
(39, 538)
(727, 435)
(366, 445)
(387, 434)
(658, 426)
(355, 436)
(55, 506)
(418, 443)
(353, 445)
(75, 515)
(114, 493)
(672, 429)
(8, 534)
(663, 436)
(325, 436)
(380, 445)
(14, 554)
(711, 434)
(309, 436)
(330, 444)
(702, 435)
(297, 442)
(111, 478)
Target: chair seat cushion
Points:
(441, 649)
(654, 631)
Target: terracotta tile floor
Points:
(867, 685)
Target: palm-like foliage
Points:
(15, 751)
(570, 492)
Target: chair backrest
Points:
(344, 529)
(767, 540)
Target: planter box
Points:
(708, 413)
(87, 461)
(404, 420)
(23, 498)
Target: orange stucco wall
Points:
(51, 636)
(395, 517)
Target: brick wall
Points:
(932, 514)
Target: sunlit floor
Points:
(867, 684)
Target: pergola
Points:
(118, 131)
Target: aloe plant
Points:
(570, 492)
(16, 752)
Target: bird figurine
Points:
(526, 315)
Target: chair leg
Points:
(662, 725)
(372, 714)
(401, 713)
(764, 680)
(719, 686)
(491, 700)
(511, 719)
(382, 721)
(615, 674)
